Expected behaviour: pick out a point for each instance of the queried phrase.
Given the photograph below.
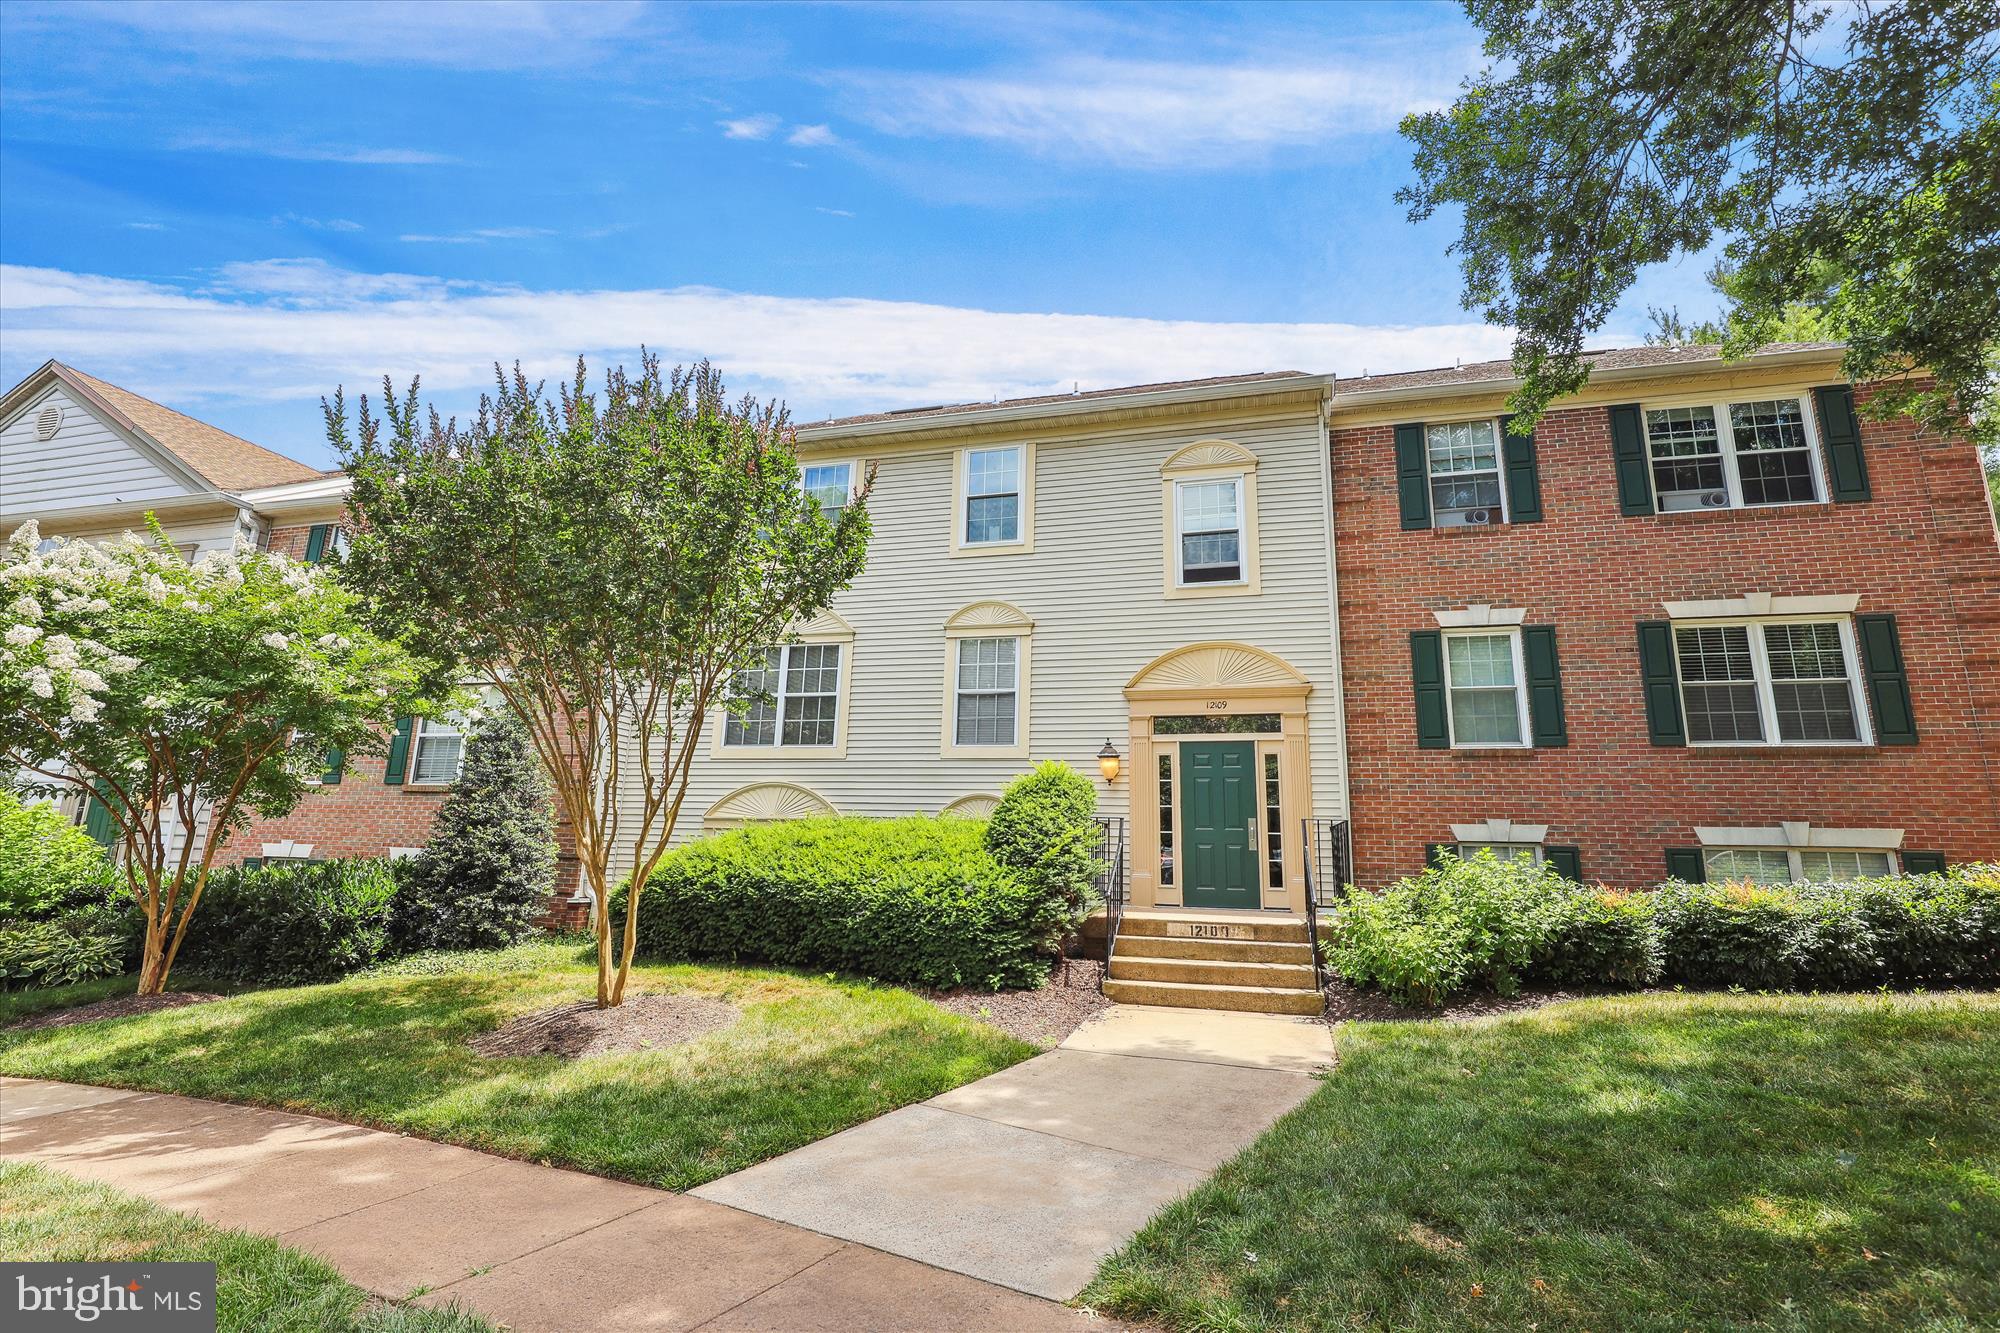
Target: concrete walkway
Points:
(1029, 1177)
(527, 1246)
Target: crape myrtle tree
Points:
(606, 562)
(1841, 158)
(183, 698)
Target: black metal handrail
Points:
(1328, 854)
(1110, 884)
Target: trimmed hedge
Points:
(918, 900)
(290, 925)
(1502, 924)
(1043, 831)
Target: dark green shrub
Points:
(291, 925)
(1599, 937)
(1905, 931)
(489, 868)
(76, 945)
(43, 858)
(916, 900)
(1043, 830)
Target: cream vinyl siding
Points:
(87, 463)
(1093, 588)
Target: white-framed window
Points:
(1531, 852)
(1779, 865)
(794, 699)
(1770, 682)
(993, 490)
(1733, 454)
(986, 693)
(437, 751)
(1484, 676)
(1208, 523)
(1464, 462)
(337, 542)
(830, 484)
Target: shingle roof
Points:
(227, 462)
(949, 409)
(1613, 358)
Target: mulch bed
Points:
(122, 1007)
(1345, 1002)
(574, 1031)
(1043, 1016)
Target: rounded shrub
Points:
(44, 858)
(1043, 830)
(918, 900)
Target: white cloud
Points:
(812, 136)
(347, 154)
(285, 331)
(833, 212)
(750, 127)
(467, 34)
(315, 224)
(1157, 114)
(147, 226)
(477, 236)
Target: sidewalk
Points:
(1029, 1177)
(531, 1247)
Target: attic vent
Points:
(48, 423)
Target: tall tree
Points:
(183, 698)
(1844, 154)
(606, 563)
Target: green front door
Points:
(1218, 824)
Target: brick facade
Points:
(1923, 548)
(363, 816)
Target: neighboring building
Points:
(1144, 567)
(88, 459)
(1707, 622)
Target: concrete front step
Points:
(1209, 971)
(1221, 951)
(1189, 995)
(1229, 926)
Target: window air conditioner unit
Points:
(1715, 499)
(1479, 515)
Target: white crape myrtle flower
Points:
(26, 607)
(154, 702)
(118, 664)
(28, 535)
(39, 683)
(86, 679)
(276, 640)
(85, 709)
(20, 636)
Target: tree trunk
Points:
(153, 960)
(605, 1000)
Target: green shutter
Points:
(1628, 450)
(1923, 863)
(1566, 861)
(1427, 671)
(1662, 684)
(399, 751)
(97, 820)
(316, 543)
(1840, 432)
(1545, 688)
(335, 761)
(1686, 863)
(1888, 687)
(1413, 479)
(1524, 477)
(1434, 853)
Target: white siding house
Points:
(1065, 613)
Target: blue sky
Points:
(235, 207)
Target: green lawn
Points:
(261, 1286)
(810, 1056)
(1643, 1162)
